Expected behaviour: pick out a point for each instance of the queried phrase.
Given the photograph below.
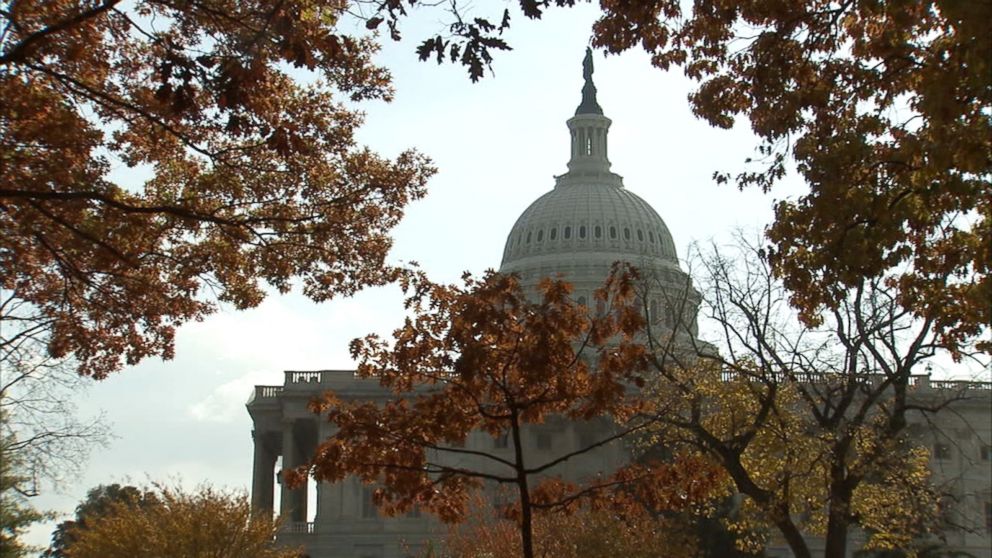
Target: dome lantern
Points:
(589, 129)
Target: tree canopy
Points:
(582, 531)
(16, 513)
(821, 428)
(44, 435)
(484, 358)
(123, 522)
(99, 501)
(159, 156)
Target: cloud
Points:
(284, 333)
(226, 403)
(290, 332)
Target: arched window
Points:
(554, 234)
(582, 231)
(599, 231)
(540, 235)
(581, 301)
(528, 237)
(640, 235)
(626, 233)
(613, 232)
(650, 236)
(568, 232)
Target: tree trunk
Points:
(780, 513)
(526, 518)
(793, 538)
(837, 521)
(836, 538)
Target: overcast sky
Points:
(497, 144)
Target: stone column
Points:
(294, 502)
(262, 475)
(329, 495)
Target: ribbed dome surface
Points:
(581, 229)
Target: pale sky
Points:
(498, 144)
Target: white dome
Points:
(579, 230)
(589, 220)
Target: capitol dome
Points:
(590, 220)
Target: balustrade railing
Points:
(325, 377)
(959, 385)
(265, 392)
(302, 527)
(293, 377)
(331, 377)
(921, 381)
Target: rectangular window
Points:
(941, 451)
(543, 440)
(947, 515)
(369, 510)
(586, 436)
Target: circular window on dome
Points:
(640, 235)
(553, 234)
(582, 231)
(613, 232)
(626, 233)
(540, 235)
(568, 233)
(599, 231)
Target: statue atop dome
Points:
(588, 104)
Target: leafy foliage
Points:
(587, 531)
(470, 39)
(482, 358)
(122, 522)
(253, 177)
(99, 501)
(810, 423)
(884, 107)
(16, 514)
